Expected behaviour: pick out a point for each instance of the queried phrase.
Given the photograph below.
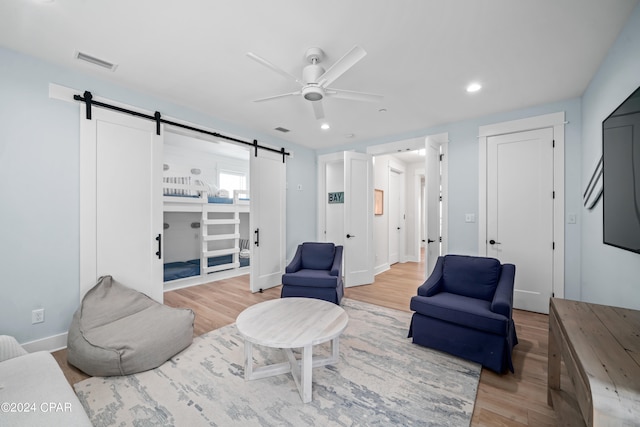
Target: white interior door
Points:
(520, 212)
(121, 202)
(267, 219)
(395, 226)
(334, 212)
(358, 219)
(432, 209)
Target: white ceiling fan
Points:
(315, 80)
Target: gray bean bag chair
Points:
(120, 331)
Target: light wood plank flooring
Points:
(518, 399)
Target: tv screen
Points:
(621, 175)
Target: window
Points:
(232, 181)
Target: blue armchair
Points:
(315, 272)
(464, 308)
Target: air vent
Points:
(281, 129)
(96, 61)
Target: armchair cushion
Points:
(465, 311)
(314, 278)
(317, 255)
(473, 277)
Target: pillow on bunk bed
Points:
(120, 331)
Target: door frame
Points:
(552, 120)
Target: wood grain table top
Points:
(605, 343)
(292, 322)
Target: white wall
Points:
(39, 188)
(609, 275)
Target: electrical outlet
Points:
(37, 316)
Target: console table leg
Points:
(553, 360)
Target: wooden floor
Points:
(518, 399)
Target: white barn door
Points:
(267, 219)
(121, 202)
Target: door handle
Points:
(430, 241)
(493, 242)
(257, 233)
(350, 236)
(159, 240)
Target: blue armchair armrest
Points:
(433, 284)
(336, 268)
(503, 298)
(296, 262)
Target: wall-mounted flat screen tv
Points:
(621, 175)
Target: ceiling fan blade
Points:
(261, 60)
(342, 65)
(354, 96)
(317, 109)
(282, 95)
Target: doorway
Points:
(423, 161)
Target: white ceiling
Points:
(421, 55)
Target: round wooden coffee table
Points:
(288, 323)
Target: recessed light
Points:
(325, 126)
(474, 87)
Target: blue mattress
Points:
(182, 269)
(211, 199)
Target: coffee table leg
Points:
(248, 360)
(335, 350)
(307, 366)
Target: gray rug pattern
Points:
(381, 379)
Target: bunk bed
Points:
(222, 250)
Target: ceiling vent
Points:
(96, 61)
(281, 129)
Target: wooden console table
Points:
(600, 346)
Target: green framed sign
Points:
(336, 197)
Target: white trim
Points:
(381, 268)
(557, 122)
(50, 344)
(444, 171)
(530, 123)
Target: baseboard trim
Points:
(50, 344)
(381, 268)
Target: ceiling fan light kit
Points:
(312, 93)
(315, 80)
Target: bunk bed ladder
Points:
(207, 236)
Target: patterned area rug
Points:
(381, 379)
